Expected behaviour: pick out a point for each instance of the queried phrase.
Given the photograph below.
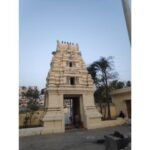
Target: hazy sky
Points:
(98, 26)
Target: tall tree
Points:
(33, 93)
(102, 71)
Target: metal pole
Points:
(127, 14)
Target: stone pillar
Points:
(92, 116)
(54, 117)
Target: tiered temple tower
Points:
(68, 77)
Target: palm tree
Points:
(93, 72)
(104, 72)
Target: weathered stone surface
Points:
(68, 76)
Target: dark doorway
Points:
(72, 112)
(128, 104)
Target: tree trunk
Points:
(104, 111)
(109, 114)
(100, 105)
(108, 104)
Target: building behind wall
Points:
(122, 100)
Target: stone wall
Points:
(103, 124)
(113, 110)
(36, 118)
(30, 131)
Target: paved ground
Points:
(71, 140)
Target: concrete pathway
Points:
(71, 140)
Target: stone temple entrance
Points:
(72, 112)
(68, 80)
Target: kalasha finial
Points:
(58, 44)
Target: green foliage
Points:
(115, 84)
(42, 91)
(104, 77)
(32, 93)
(128, 84)
(33, 105)
(102, 73)
(100, 96)
(120, 85)
(92, 71)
